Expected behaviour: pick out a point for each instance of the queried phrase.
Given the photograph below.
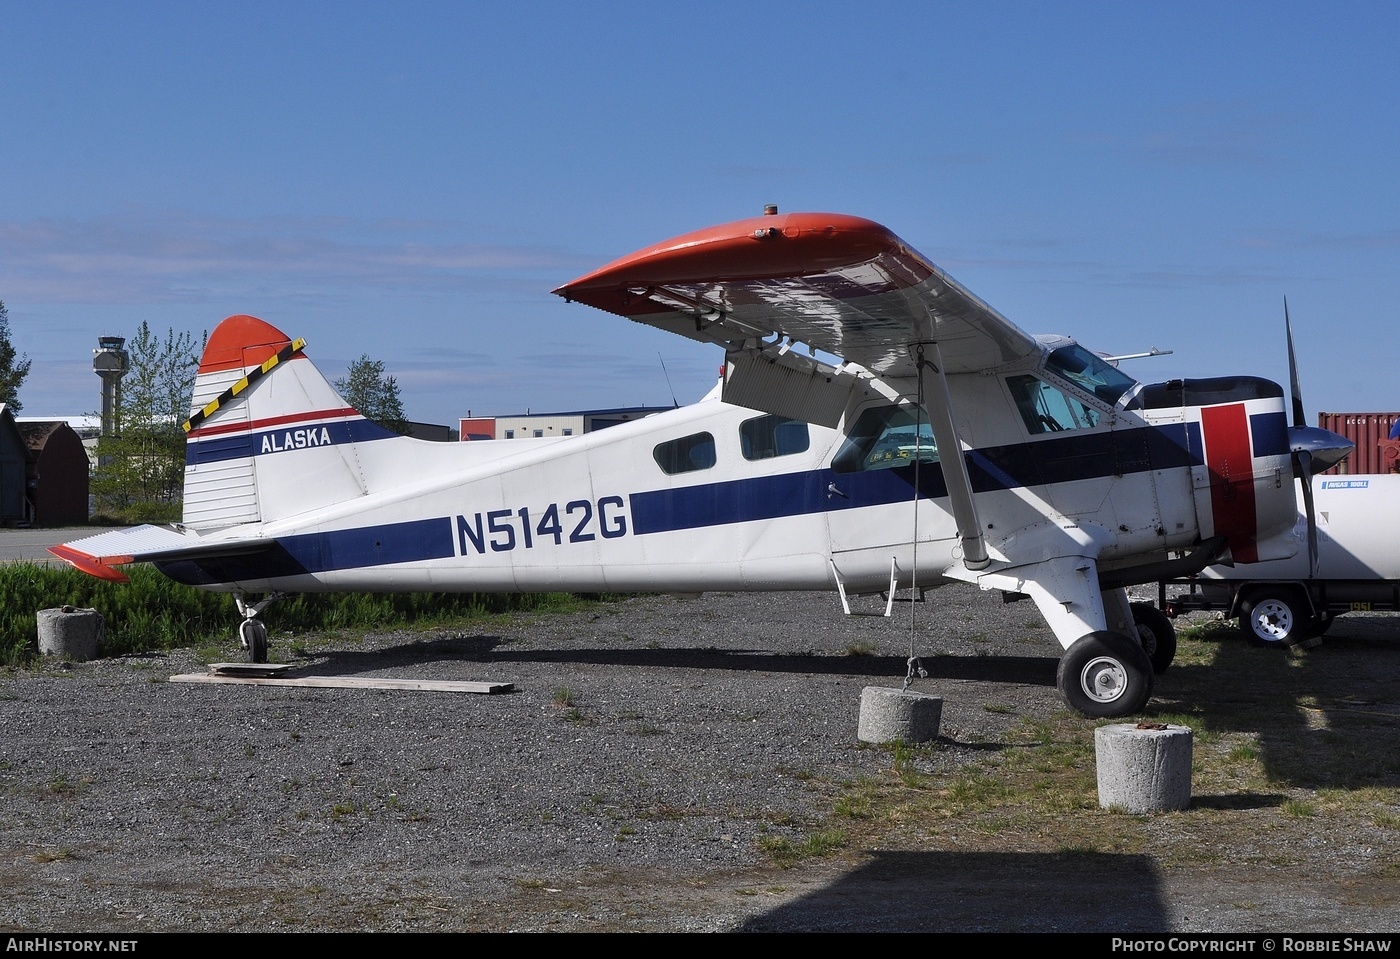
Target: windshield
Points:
(1086, 370)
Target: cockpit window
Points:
(1046, 409)
(1084, 369)
(885, 438)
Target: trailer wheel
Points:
(1157, 633)
(1275, 617)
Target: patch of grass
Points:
(862, 647)
(903, 756)
(61, 785)
(977, 790)
(563, 697)
(1244, 753)
(152, 612)
(51, 854)
(854, 806)
(1385, 818)
(1298, 808)
(787, 853)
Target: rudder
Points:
(268, 437)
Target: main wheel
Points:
(1275, 617)
(1105, 675)
(1157, 633)
(254, 637)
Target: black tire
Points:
(1105, 675)
(254, 636)
(1157, 633)
(1276, 617)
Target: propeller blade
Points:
(1304, 460)
(1314, 449)
(1299, 417)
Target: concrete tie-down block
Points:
(887, 715)
(71, 632)
(1144, 767)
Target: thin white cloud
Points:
(143, 258)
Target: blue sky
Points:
(411, 179)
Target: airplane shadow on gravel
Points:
(982, 892)
(1024, 670)
(1323, 718)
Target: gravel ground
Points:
(625, 784)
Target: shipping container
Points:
(1375, 452)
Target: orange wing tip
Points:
(101, 567)
(763, 247)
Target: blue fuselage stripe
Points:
(1061, 459)
(412, 542)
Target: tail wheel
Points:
(254, 637)
(1157, 634)
(1277, 618)
(1105, 675)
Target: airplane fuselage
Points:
(721, 497)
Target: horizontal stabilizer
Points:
(100, 555)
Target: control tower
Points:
(111, 361)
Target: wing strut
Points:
(934, 384)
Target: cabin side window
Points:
(886, 438)
(685, 455)
(1046, 409)
(765, 437)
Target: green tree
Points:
(375, 395)
(141, 469)
(12, 372)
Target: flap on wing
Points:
(99, 555)
(845, 285)
(789, 385)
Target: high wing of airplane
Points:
(877, 428)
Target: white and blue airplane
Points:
(877, 427)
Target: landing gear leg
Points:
(252, 634)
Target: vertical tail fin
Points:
(268, 437)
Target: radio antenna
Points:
(674, 404)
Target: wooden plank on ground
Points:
(351, 682)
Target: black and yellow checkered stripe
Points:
(213, 405)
